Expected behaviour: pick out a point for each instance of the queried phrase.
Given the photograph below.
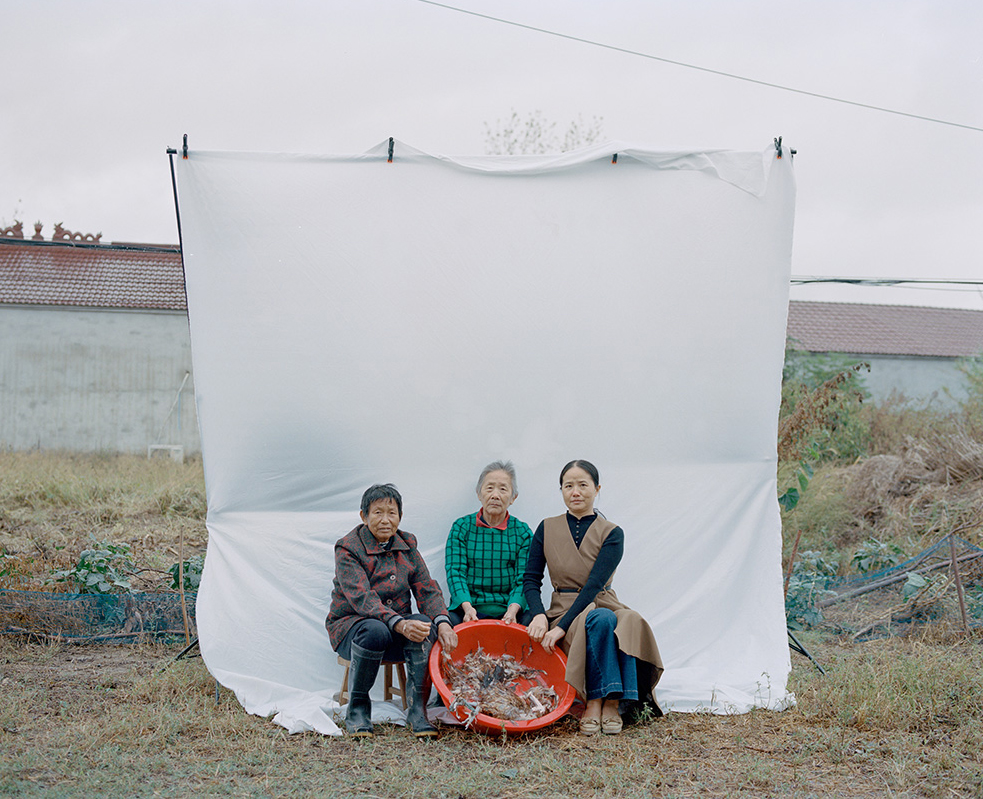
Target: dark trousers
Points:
(376, 635)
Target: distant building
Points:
(911, 350)
(95, 352)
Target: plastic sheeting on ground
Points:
(357, 321)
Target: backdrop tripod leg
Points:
(796, 646)
(194, 643)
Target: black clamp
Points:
(778, 148)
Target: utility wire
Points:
(701, 69)
(882, 281)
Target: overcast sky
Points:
(96, 91)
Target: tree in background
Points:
(534, 134)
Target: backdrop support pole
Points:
(796, 646)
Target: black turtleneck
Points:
(600, 574)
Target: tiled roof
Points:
(91, 275)
(885, 329)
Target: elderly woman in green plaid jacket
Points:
(486, 554)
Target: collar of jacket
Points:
(373, 547)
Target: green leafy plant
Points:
(193, 568)
(812, 562)
(105, 569)
(804, 591)
(791, 497)
(875, 555)
(914, 584)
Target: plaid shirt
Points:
(373, 582)
(485, 566)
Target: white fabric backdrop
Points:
(356, 321)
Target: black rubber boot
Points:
(362, 671)
(417, 665)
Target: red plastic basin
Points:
(498, 638)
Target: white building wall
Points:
(95, 380)
(919, 378)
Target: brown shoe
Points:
(590, 726)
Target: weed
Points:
(101, 570)
(192, 569)
(875, 555)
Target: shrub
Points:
(804, 591)
(193, 568)
(102, 570)
(875, 555)
(822, 395)
(813, 562)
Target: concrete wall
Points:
(95, 380)
(919, 378)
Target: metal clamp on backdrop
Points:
(778, 148)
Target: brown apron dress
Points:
(569, 568)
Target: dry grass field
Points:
(895, 716)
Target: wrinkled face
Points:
(382, 519)
(579, 491)
(496, 493)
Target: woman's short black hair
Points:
(381, 491)
(587, 466)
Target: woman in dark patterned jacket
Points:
(377, 567)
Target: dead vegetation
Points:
(53, 506)
(899, 712)
(892, 717)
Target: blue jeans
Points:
(611, 674)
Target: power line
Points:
(884, 281)
(701, 69)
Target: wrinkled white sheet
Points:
(357, 321)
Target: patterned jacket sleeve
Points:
(429, 598)
(456, 564)
(517, 597)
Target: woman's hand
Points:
(512, 613)
(538, 627)
(470, 614)
(413, 629)
(552, 638)
(447, 637)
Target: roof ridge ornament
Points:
(63, 234)
(14, 231)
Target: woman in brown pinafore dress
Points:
(611, 651)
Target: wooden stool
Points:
(389, 690)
